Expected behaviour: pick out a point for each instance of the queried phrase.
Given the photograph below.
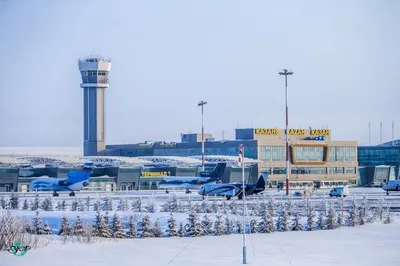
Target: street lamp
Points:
(241, 161)
(286, 73)
(202, 103)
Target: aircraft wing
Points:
(43, 176)
(180, 178)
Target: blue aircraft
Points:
(193, 182)
(74, 182)
(232, 190)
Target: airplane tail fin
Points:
(262, 180)
(82, 175)
(217, 172)
(219, 169)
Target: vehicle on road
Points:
(339, 191)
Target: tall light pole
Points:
(241, 160)
(202, 103)
(286, 73)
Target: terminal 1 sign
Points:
(155, 174)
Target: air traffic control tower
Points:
(94, 72)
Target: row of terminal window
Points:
(310, 170)
(94, 73)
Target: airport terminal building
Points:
(314, 157)
(116, 173)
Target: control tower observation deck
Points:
(94, 72)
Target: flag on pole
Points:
(240, 159)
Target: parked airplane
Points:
(392, 185)
(193, 182)
(231, 190)
(74, 182)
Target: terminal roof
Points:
(76, 161)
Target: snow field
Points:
(369, 245)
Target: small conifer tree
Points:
(157, 230)
(171, 231)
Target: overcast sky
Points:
(168, 55)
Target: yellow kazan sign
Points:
(274, 131)
(266, 131)
(297, 131)
(155, 174)
(321, 132)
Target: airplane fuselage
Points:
(184, 182)
(193, 182)
(228, 190)
(55, 184)
(392, 185)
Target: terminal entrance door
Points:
(127, 186)
(9, 187)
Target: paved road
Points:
(372, 194)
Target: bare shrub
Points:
(16, 229)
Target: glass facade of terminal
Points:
(308, 154)
(342, 154)
(388, 156)
(379, 155)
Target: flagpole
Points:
(241, 150)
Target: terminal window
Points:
(309, 170)
(272, 153)
(309, 154)
(342, 154)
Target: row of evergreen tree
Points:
(174, 205)
(358, 214)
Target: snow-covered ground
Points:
(342, 246)
(368, 245)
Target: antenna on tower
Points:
(381, 132)
(369, 133)
(222, 133)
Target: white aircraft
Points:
(392, 185)
(74, 182)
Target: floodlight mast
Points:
(286, 73)
(241, 162)
(202, 103)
